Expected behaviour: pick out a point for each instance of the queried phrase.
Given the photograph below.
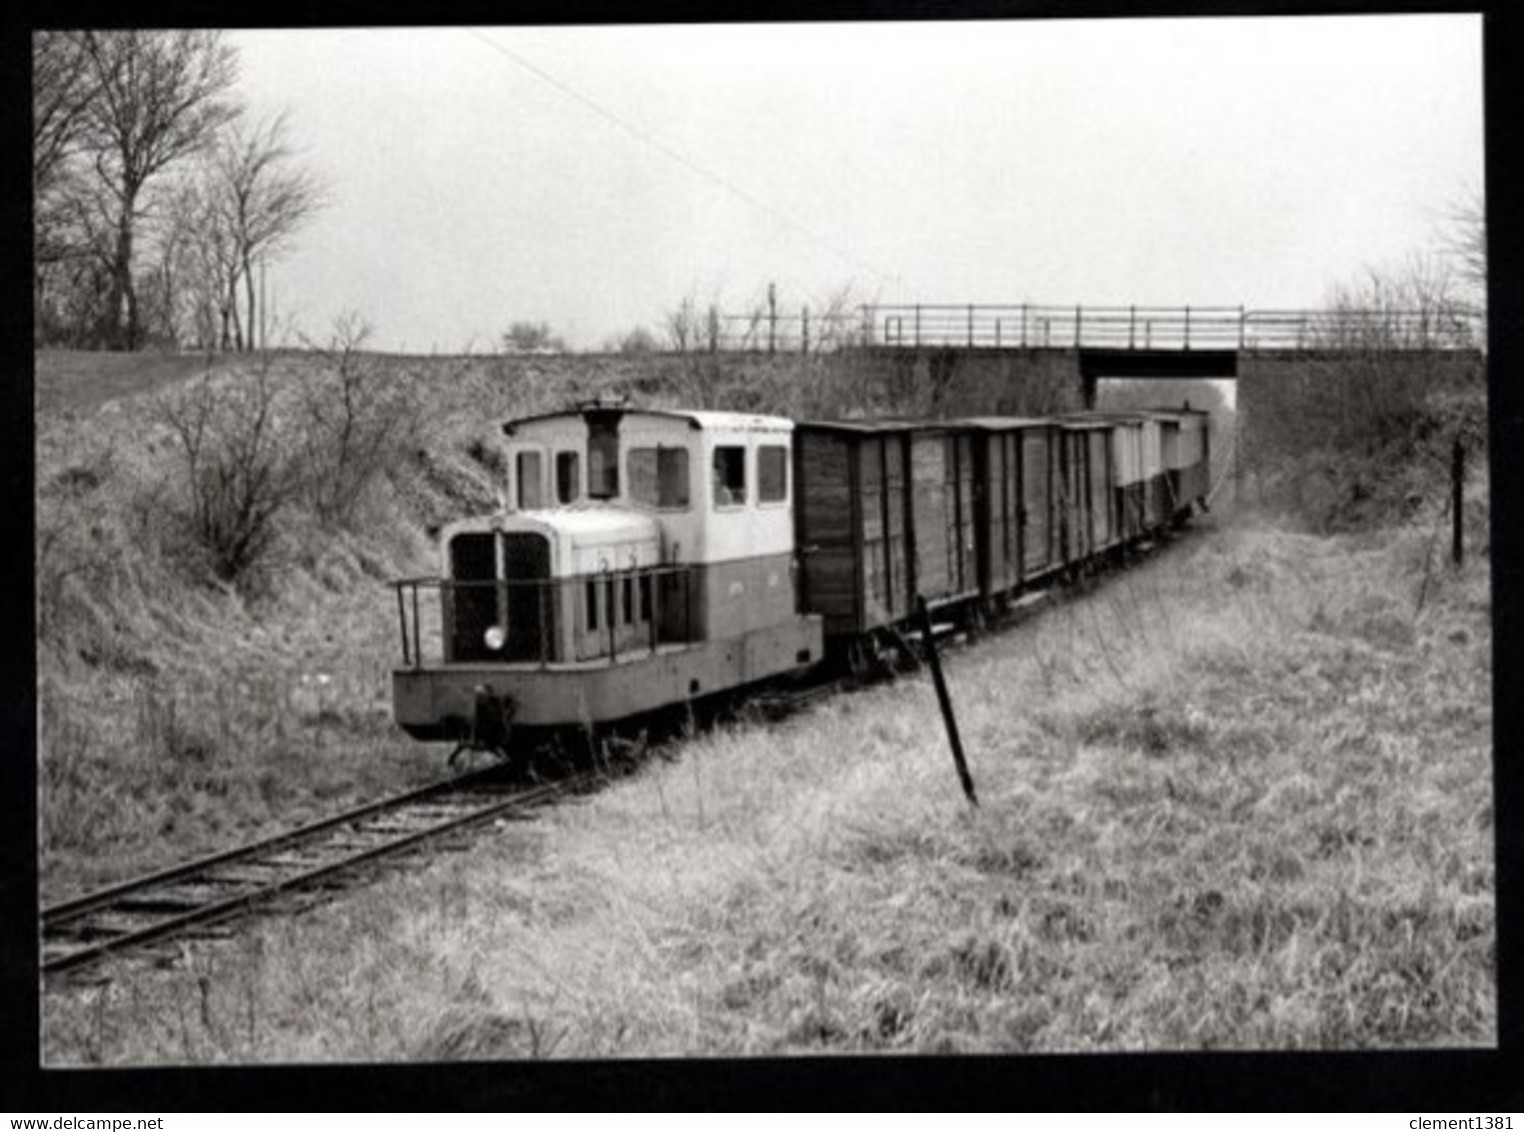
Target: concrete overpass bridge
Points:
(1011, 343)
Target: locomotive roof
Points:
(697, 418)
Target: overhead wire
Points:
(645, 138)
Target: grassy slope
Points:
(83, 379)
(1237, 797)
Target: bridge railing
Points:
(1028, 326)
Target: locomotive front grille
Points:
(529, 600)
(470, 603)
(499, 581)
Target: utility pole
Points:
(772, 317)
(264, 335)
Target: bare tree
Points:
(207, 259)
(162, 96)
(1467, 245)
(238, 470)
(358, 420)
(684, 326)
(63, 85)
(1380, 358)
(1415, 304)
(838, 325)
(263, 200)
(73, 277)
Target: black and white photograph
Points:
(765, 541)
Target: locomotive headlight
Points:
(495, 638)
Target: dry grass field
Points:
(1237, 797)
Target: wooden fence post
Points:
(923, 615)
(1457, 503)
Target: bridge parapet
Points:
(1031, 326)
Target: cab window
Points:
(526, 470)
(602, 459)
(772, 473)
(566, 477)
(659, 477)
(729, 476)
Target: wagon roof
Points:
(993, 424)
(1099, 416)
(861, 425)
(696, 418)
(1092, 422)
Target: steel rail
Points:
(216, 911)
(67, 911)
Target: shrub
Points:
(239, 473)
(357, 418)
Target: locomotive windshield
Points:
(528, 473)
(566, 477)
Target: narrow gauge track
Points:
(140, 913)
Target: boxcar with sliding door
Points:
(1088, 447)
(942, 511)
(1186, 458)
(1013, 501)
(852, 524)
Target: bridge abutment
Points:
(944, 381)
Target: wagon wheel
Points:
(500, 751)
(978, 620)
(859, 663)
(907, 656)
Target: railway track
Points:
(191, 897)
(139, 914)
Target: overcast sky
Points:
(593, 177)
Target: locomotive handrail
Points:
(410, 614)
